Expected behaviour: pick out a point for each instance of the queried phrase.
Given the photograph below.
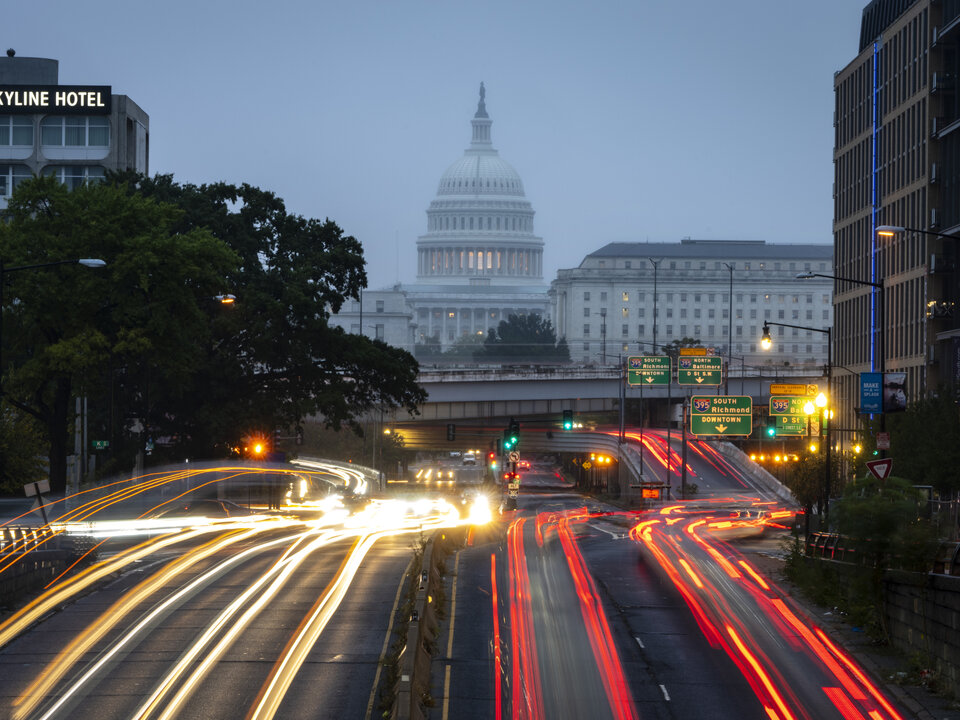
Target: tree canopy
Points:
(523, 338)
(146, 338)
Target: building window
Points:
(711, 313)
(75, 132)
(11, 176)
(16, 130)
(641, 330)
(586, 296)
(586, 348)
(380, 306)
(586, 329)
(73, 176)
(379, 329)
(669, 329)
(603, 297)
(626, 264)
(626, 296)
(586, 312)
(625, 312)
(625, 330)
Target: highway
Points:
(563, 608)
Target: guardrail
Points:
(32, 556)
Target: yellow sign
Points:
(784, 389)
(700, 352)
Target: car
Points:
(523, 465)
(469, 459)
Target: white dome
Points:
(480, 173)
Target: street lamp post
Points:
(726, 384)
(656, 265)
(766, 342)
(86, 262)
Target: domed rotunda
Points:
(480, 225)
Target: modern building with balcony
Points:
(73, 132)
(630, 298)
(897, 163)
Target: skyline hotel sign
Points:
(55, 99)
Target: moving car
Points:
(469, 459)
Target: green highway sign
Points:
(706, 370)
(648, 370)
(100, 444)
(788, 405)
(791, 425)
(721, 415)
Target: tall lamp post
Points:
(656, 265)
(882, 323)
(766, 342)
(726, 384)
(86, 262)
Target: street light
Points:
(766, 342)
(86, 262)
(656, 265)
(729, 330)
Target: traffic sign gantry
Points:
(721, 415)
(648, 370)
(700, 370)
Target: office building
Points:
(630, 298)
(73, 132)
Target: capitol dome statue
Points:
(480, 225)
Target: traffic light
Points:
(451, 432)
(513, 433)
(507, 441)
(771, 429)
(568, 419)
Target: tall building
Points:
(897, 163)
(628, 298)
(74, 132)
(479, 261)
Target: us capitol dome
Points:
(480, 225)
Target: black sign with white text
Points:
(55, 99)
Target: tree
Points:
(925, 441)
(673, 348)
(523, 338)
(430, 349)
(464, 348)
(21, 450)
(274, 359)
(64, 324)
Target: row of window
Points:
(71, 175)
(718, 265)
(438, 223)
(711, 313)
(712, 297)
(55, 131)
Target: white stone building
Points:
(606, 308)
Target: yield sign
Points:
(880, 468)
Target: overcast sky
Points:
(640, 120)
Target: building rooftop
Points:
(720, 249)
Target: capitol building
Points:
(478, 263)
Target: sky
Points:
(628, 121)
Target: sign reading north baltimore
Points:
(55, 99)
(721, 415)
(699, 370)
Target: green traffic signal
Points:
(568, 419)
(771, 430)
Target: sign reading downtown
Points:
(60, 99)
(721, 415)
(648, 370)
(700, 370)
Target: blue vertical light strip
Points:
(876, 209)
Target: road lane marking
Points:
(453, 615)
(640, 643)
(386, 640)
(666, 695)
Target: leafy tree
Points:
(464, 348)
(64, 324)
(523, 338)
(925, 441)
(22, 450)
(672, 348)
(274, 359)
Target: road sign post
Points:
(721, 415)
(648, 370)
(705, 370)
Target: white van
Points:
(469, 459)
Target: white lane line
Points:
(666, 695)
(640, 643)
